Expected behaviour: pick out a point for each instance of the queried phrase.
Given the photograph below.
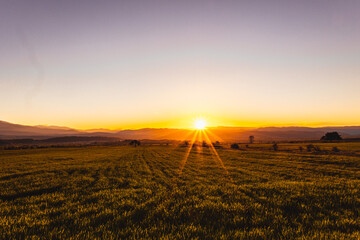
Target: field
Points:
(154, 192)
(347, 148)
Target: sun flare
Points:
(200, 124)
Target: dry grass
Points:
(127, 192)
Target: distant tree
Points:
(186, 143)
(204, 144)
(251, 139)
(331, 136)
(217, 144)
(235, 146)
(134, 143)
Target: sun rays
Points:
(215, 154)
(200, 140)
(183, 162)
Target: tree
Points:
(135, 143)
(330, 136)
(251, 139)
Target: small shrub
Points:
(275, 147)
(235, 146)
(310, 147)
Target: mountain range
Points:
(17, 131)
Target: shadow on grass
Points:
(30, 193)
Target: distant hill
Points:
(16, 131)
(57, 140)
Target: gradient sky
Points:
(134, 64)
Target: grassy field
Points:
(152, 192)
(349, 148)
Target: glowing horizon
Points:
(189, 124)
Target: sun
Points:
(200, 124)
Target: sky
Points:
(137, 64)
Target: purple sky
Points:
(157, 63)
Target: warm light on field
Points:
(200, 124)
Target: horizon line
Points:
(181, 128)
